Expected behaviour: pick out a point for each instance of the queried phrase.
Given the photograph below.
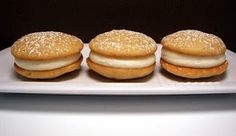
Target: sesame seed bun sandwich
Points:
(193, 54)
(46, 55)
(122, 54)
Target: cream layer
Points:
(46, 64)
(137, 62)
(190, 60)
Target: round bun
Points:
(48, 74)
(201, 54)
(53, 49)
(46, 45)
(193, 73)
(120, 73)
(194, 42)
(124, 47)
(123, 43)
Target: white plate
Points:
(86, 82)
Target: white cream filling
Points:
(46, 64)
(137, 62)
(192, 61)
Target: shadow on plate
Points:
(93, 75)
(182, 79)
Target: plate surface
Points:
(87, 82)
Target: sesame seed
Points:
(120, 41)
(195, 41)
(43, 44)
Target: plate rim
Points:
(103, 88)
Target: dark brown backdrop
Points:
(88, 18)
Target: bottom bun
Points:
(188, 72)
(48, 74)
(120, 73)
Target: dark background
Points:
(87, 18)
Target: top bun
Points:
(194, 42)
(123, 43)
(46, 45)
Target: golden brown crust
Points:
(46, 45)
(194, 42)
(48, 74)
(123, 43)
(188, 72)
(120, 73)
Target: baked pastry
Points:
(193, 54)
(45, 55)
(122, 54)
